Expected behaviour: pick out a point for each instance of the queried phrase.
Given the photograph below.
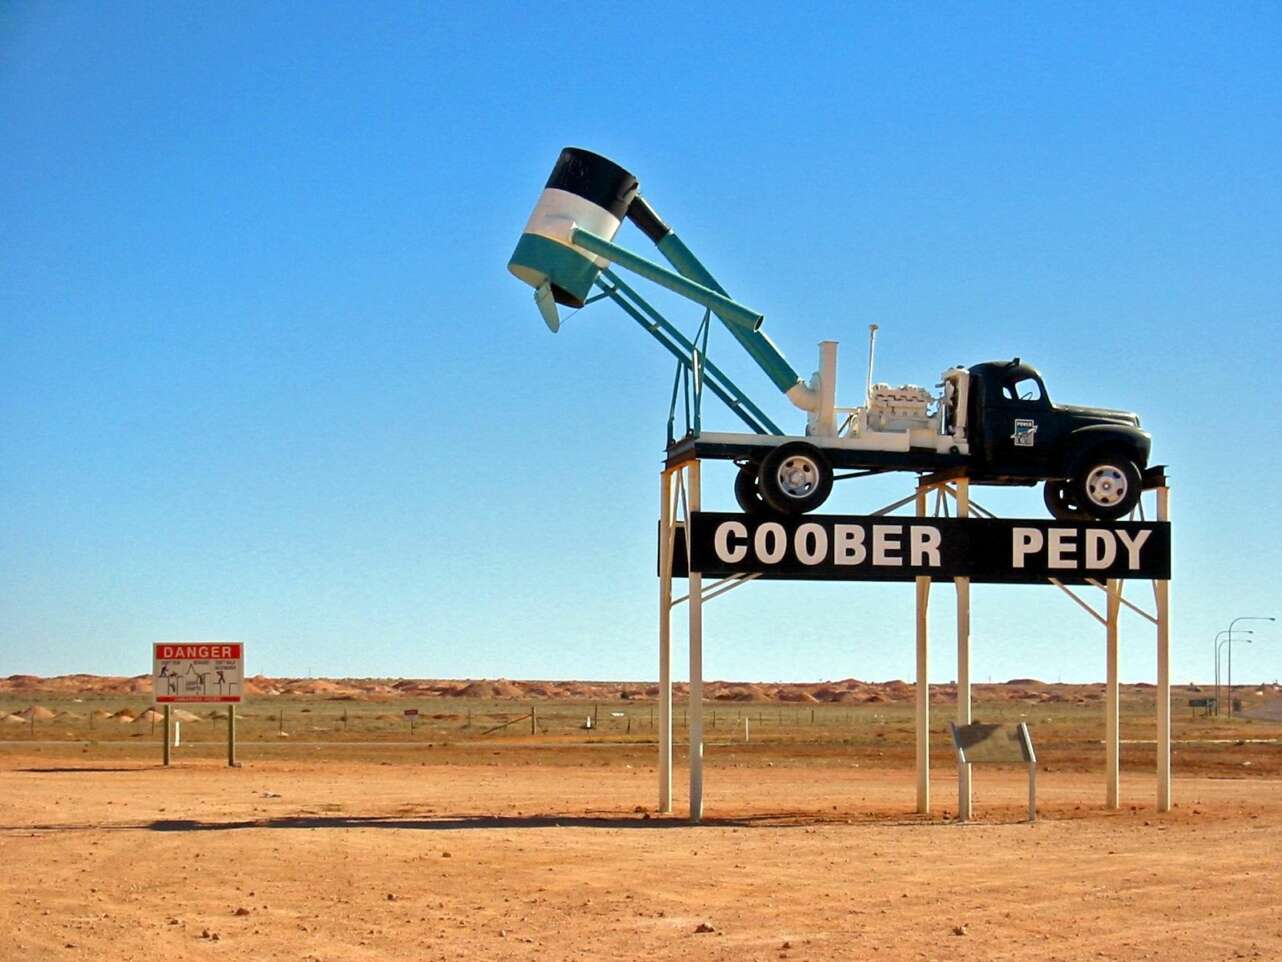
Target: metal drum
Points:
(585, 190)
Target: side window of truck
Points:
(1024, 389)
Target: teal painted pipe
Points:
(722, 306)
(759, 347)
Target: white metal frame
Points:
(680, 497)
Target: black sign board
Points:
(892, 548)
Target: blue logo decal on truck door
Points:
(1025, 432)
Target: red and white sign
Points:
(411, 713)
(198, 671)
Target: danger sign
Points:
(198, 671)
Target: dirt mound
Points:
(835, 693)
(852, 698)
(741, 693)
(502, 688)
(38, 712)
(545, 691)
(150, 715)
(793, 695)
(12, 720)
(1025, 682)
(186, 716)
(100, 713)
(69, 716)
(317, 686)
(18, 682)
(125, 714)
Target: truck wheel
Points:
(746, 491)
(795, 478)
(1107, 486)
(1058, 495)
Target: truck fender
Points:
(1083, 442)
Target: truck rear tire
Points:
(1060, 502)
(746, 491)
(1107, 485)
(795, 478)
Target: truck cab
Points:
(1092, 459)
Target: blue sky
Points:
(263, 374)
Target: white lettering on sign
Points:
(197, 651)
(849, 549)
(1026, 541)
(885, 539)
(771, 543)
(721, 542)
(876, 548)
(811, 544)
(1101, 549)
(1061, 548)
(924, 551)
(1133, 545)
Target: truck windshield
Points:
(1022, 389)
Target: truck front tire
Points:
(1107, 485)
(795, 478)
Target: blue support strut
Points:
(682, 349)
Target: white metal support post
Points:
(1162, 600)
(666, 537)
(962, 498)
(695, 699)
(923, 683)
(1112, 743)
(696, 658)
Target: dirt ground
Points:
(120, 859)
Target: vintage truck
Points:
(993, 423)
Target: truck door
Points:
(1018, 423)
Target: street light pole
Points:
(1230, 666)
(1219, 646)
(1229, 642)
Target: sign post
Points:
(412, 715)
(168, 753)
(994, 743)
(199, 672)
(231, 737)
